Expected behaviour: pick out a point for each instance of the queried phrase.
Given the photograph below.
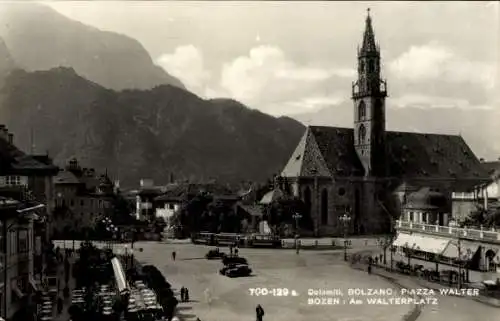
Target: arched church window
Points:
(361, 134)
(362, 110)
(307, 199)
(362, 66)
(378, 110)
(324, 207)
(371, 65)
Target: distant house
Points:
(83, 193)
(144, 199)
(485, 195)
(177, 195)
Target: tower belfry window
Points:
(371, 66)
(362, 110)
(361, 134)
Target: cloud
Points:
(427, 101)
(186, 63)
(267, 79)
(435, 62)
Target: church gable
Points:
(337, 147)
(307, 159)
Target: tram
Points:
(204, 238)
(228, 239)
(264, 240)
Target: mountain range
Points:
(145, 133)
(39, 38)
(98, 96)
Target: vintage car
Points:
(233, 259)
(214, 255)
(238, 270)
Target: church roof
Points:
(493, 168)
(369, 45)
(409, 155)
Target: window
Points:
(100, 203)
(411, 217)
(371, 65)
(170, 206)
(324, 207)
(362, 110)
(361, 134)
(12, 242)
(341, 191)
(23, 245)
(13, 180)
(71, 203)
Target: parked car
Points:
(227, 267)
(214, 255)
(238, 271)
(234, 259)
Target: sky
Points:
(287, 58)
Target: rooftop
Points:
(410, 156)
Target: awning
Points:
(402, 239)
(430, 244)
(17, 291)
(467, 250)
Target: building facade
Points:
(356, 171)
(82, 196)
(26, 208)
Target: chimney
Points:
(11, 138)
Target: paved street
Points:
(231, 299)
(284, 269)
(450, 307)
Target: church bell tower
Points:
(368, 94)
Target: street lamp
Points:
(297, 217)
(345, 219)
(461, 257)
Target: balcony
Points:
(473, 234)
(379, 90)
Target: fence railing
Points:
(478, 234)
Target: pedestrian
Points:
(236, 251)
(186, 295)
(183, 292)
(230, 249)
(59, 305)
(208, 296)
(369, 269)
(174, 255)
(381, 258)
(259, 312)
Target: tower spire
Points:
(369, 45)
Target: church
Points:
(368, 172)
